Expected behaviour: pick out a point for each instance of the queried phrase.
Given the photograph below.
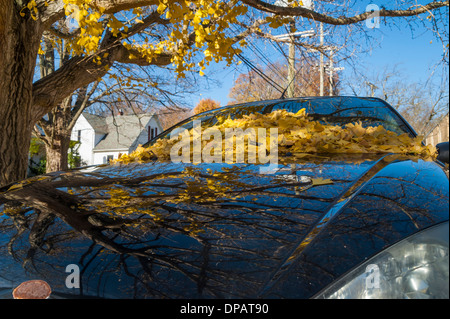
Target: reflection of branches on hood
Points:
(36, 238)
(219, 232)
(95, 225)
(67, 208)
(16, 212)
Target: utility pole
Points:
(291, 62)
(331, 73)
(321, 66)
(291, 56)
(308, 4)
(331, 69)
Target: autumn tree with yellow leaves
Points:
(205, 105)
(186, 34)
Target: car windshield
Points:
(329, 110)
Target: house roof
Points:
(122, 131)
(97, 122)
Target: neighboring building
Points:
(105, 138)
(439, 133)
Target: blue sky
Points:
(415, 53)
(416, 56)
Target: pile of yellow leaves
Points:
(299, 136)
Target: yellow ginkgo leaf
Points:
(321, 181)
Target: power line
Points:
(269, 64)
(261, 74)
(249, 64)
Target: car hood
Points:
(174, 230)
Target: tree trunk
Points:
(15, 136)
(57, 153)
(19, 43)
(57, 137)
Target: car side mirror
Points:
(442, 152)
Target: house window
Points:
(109, 158)
(151, 133)
(79, 136)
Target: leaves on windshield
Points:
(298, 136)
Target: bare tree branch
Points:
(311, 14)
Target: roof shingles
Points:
(122, 132)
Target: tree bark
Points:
(301, 11)
(19, 42)
(57, 153)
(57, 137)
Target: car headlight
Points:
(416, 267)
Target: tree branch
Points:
(310, 14)
(114, 6)
(54, 10)
(64, 35)
(80, 104)
(80, 71)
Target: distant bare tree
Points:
(171, 115)
(250, 87)
(420, 103)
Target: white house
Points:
(438, 133)
(104, 138)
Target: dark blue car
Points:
(336, 226)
